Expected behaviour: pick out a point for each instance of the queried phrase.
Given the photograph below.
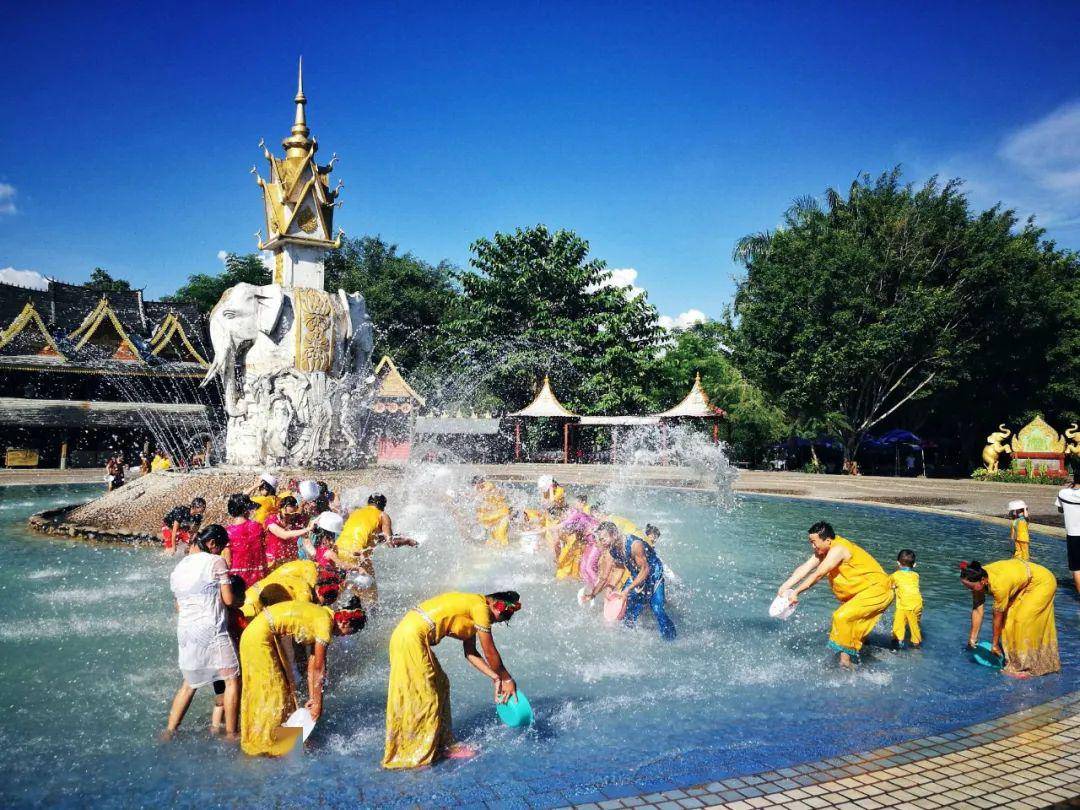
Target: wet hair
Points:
(267, 487)
(476, 479)
(239, 587)
(198, 503)
(581, 496)
(509, 601)
(378, 500)
(324, 488)
(823, 530)
(288, 502)
(239, 504)
(212, 534)
(906, 557)
(320, 536)
(650, 529)
(607, 526)
(353, 613)
(972, 571)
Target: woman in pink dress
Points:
(283, 529)
(246, 554)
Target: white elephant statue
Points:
(271, 328)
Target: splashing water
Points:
(87, 681)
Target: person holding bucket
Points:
(645, 585)
(418, 723)
(1024, 629)
(858, 581)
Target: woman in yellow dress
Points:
(418, 725)
(267, 696)
(1024, 627)
(858, 582)
(492, 512)
(298, 580)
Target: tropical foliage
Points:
(204, 290)
(892, 301)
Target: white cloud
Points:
(222, 255)
(24, 278)
(683, 320)
(7, 199)
(624, 277)
(1033, 169)
(1048, 150)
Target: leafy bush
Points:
(1024, 476)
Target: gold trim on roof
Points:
(164, 332)
(29, 315)
(695, 405)
(545, 405)
(94, 320)
(393, 377)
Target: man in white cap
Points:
(1068, 503)
(552, 496)
(264, 494)
(1018, 532)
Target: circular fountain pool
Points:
(88, 667)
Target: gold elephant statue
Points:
(995, 447)
(1072, 447)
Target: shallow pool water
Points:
(88, 666)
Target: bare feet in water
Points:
(461, 751)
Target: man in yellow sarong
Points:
(492, 512)
(366, 528)
(860, 584)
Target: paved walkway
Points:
(1024, 760)
(20, 477)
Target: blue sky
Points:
(661, 132)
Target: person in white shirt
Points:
(1068, 503)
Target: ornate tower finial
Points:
(298, 142)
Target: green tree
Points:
(204, 290)
(754, 423)
(407, 298)
(535, 304)
(874, 305)
(101, 279)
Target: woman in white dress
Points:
(201, 585)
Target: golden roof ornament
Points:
(298, 203)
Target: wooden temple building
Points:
(85, 374)
(394, 410)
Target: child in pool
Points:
(909, 602)
(1018, 531)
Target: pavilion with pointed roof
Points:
(695, 406)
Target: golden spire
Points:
(298, 142)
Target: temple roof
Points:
(391, 385)
(546, 405)
(695, 405)
(85, 327)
